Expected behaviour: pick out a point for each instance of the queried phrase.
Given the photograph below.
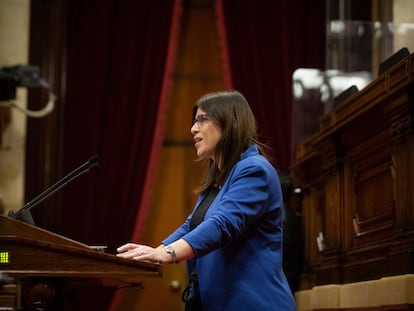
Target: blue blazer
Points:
(238, 246)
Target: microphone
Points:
(24, 214)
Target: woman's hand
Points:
(183, 251)
(143, 252)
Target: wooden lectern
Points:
(45, 267)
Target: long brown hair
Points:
(232, 113)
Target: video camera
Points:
(15, 76)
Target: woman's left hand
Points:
(142, 252)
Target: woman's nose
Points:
(194, 129)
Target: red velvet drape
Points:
(118, 70)
(267, 41)
(111, 63)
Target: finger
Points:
(121, 249)
(126, 247)
(128, 253)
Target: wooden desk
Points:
(357, 180)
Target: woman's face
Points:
(206, 135)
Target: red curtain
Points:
(110, 63)
(119, 63)
(267, 41)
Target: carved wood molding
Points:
(331, 155)
(402, 128)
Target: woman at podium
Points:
(232, 241)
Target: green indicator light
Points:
(4, 257)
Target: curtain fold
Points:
(160, 119)
(266, 44)
(223, 45)
(119, 65)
